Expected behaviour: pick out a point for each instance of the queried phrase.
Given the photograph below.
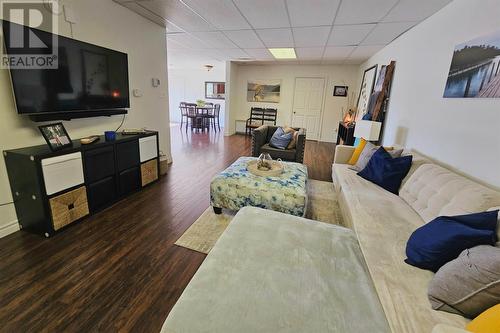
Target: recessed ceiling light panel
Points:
(283, 53)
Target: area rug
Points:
(202, 235)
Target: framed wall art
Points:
(365, 91)
(267, 91)
(340, 91)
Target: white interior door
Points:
(307, 105)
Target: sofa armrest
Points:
(343, 154)
(301, 145)
(259, 136)
(442, 328)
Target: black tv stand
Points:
(75, 114)
(51, 190)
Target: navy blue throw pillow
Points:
(444, 238)
(280, 139)
(385, 171)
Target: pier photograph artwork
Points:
(475, 69)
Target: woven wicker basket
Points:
(69, 207)
(149, 172)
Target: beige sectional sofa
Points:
(383, 223)
(273, 272)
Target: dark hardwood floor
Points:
(119, 270)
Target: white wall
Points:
(332, 107)
(462, 133)
(231, 97)
(107, 24)
(188, 85)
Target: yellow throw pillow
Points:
(357, 152)
(486, 322)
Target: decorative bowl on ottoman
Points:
(272, 169)
(237, 187)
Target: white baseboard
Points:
(9, 228)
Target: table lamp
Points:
(368, 130)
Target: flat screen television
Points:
(88, 78)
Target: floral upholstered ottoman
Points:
(236, 187)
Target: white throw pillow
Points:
(498, 225)
(367, 153)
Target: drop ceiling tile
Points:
(363, 11)
(145, 13)
(214, 40)
(233, 53)
(276, 37)
(310, 62)
(186, 40)
(311, 36)
(312, 12)
(411, 10)
(337, 52)
(177, 13)
(173, 44)
(222, 14)
(332, 62)
(245, 39)
(353, 62)
(362, 53)
(309, 53)
(259, 54)
(264, 13)
(384, 33)
(349, 34)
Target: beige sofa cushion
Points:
(417, 161)
(383, 223)
(434, 191)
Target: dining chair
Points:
(211, 115)
(192, 115)
(184, 112)
(217, 115)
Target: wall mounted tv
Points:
(88, 81)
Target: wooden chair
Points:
(259, 117)
(183, 108)
(192, 115)
(217, 115)
(212, 116)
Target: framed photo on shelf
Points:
(340, 91)
(56, 136)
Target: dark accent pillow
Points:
(385, 171)
(280, 139)
(468, 285)
(444, 238)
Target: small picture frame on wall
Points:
(340, 91)
(56, 136)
